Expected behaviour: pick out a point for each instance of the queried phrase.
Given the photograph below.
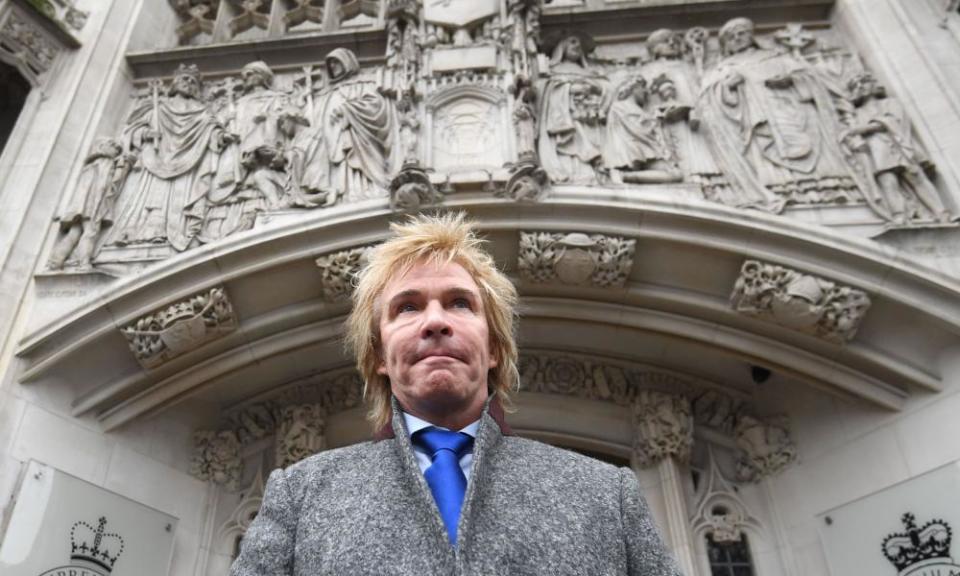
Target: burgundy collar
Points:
(494, 409)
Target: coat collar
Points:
(395, 425)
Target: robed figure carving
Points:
(252, 172)
(177, 138)
(573, 108)
(773, 122)
(353, 128)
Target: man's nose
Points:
(435, 321)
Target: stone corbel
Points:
(158, 337)
(575, 259)
(799, 301)
(338, 270)
(766, 448)
(217, 458)
(663, 428)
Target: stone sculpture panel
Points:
(472, 96)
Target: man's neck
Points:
(446, 417)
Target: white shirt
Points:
(423, 459)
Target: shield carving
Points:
(459, 13)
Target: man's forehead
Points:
(426, 274)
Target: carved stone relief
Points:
(26, 42)
(575, 259)
(338, 271)
(471, 96)
(799, 301)
(765, 448)
(217, 458)
(663, 427)
(179, 328)
(301, 433)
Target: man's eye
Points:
(408, 307)
(462, 303)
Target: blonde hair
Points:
(440, 240)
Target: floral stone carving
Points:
(300, 433)
(217, 457)
(575, 258)
(181, 327)
(338, 270)
(663, 427)
(799, 301)
(766, 448)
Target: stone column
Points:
(663, 437)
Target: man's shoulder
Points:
(347, 459)
(539, 455)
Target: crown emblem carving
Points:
(94, 545)
(918, 544)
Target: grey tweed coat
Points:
(530, 508)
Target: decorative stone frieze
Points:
(765, 448)
(301, 433)
(181, 327)
(26, 42)
(217, 458)
(595, 379)
(799, 301)
(575, 259)
(663, 427)
(338, 271)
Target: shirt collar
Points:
(415, 424)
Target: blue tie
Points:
(444, 476)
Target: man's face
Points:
(253, 79)
(434, 341)
(739, 39)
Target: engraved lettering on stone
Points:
(338, 272)
(765, 448)
(575, 258)
(180, 328)
(663, 427)
(799, 301)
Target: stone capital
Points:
(663, 427)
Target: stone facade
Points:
(733, 240)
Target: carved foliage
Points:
(765, 448)
(799, 301)
(338, 270)
(217, 457)
(181, 327)
(575, 258)
(300, 433)
(663, 427)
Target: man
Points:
(444, 488)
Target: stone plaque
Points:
(467, 133)
(904, 530)
(62, 525)
(459, 13)
(466, 58)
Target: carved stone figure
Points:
(411, 190)
(300, 433)
(525, 123)
(338, 271)
(635, 148)
(351, 155)
(773, 124)
(799, 301)
(409, 129)
(90, 208)
(177, 137)
(766, 448)
(675, 86)
(251, 175)
(575, 258)
(527, 183)
(881, 136)
(179, 328)
(573, 106)
(216, 458)
(663, 427)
